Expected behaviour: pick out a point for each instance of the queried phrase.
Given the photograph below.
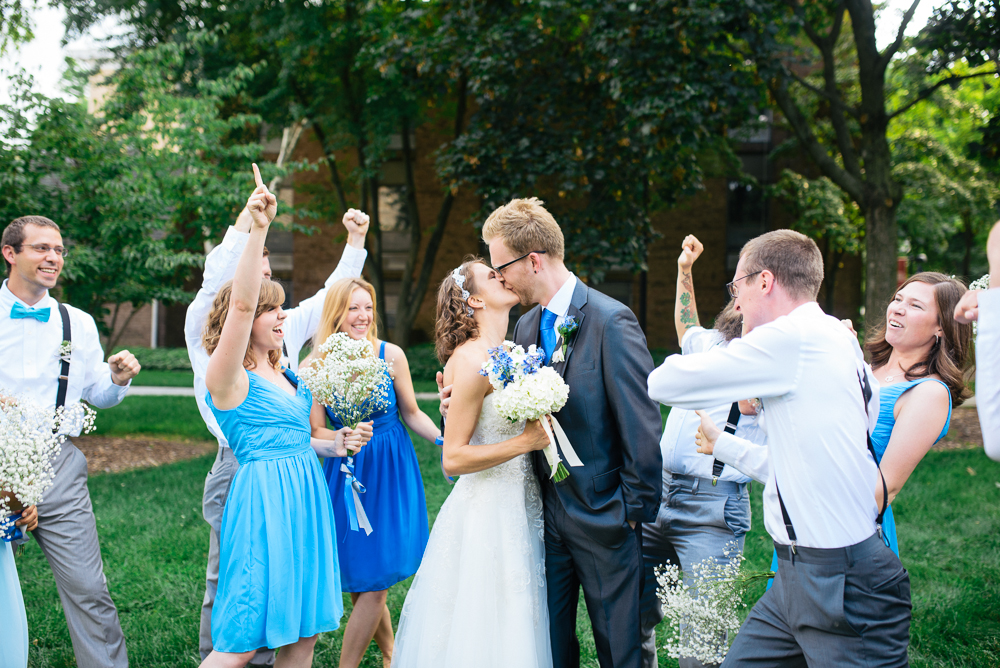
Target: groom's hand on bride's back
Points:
(444, 394)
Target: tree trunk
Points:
(880, 258)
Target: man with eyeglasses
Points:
(33, 329)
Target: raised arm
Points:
(225, 378)
(406, 398)
(685, 308)
(469, 388)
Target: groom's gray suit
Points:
(614, 427)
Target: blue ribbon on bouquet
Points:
(352, 500)
(10, 533)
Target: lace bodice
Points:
(492, 428)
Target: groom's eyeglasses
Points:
(500, 269)
(734, 291)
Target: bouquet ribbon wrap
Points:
(352, 500)
(559, 439)
(10, 532)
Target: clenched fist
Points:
(124, 367)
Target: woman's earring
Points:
(937, 339)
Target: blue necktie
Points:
(19, 312)
(548, 332)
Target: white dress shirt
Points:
(804, 367)
(677, 444)
(31, 364)
(561, 301)
(988, 370)
(299, 326)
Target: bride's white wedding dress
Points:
(478, 599)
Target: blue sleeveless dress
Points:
(14, 633)
(888, 396)
(393, 501)
(278, 577)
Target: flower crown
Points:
(459, 279)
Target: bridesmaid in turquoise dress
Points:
(14, 634)
(919, 356)
(394, 492)
(279, 583)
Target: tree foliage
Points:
(137, 187)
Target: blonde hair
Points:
(271, 296)
(792, 257)
(335, 307)
(454, 324)
(525, 225)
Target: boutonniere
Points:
(565, 330)
(65, 351)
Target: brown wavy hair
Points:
(335, 305)
(272, 295)
(454, 324)
(950, 356)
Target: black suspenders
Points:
(731, 422)
(64, 367)
(866, 394)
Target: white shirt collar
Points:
(561, 300)
(8, 299)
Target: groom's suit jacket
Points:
(609, 418)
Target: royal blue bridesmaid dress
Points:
(393, 501)
(278, 572)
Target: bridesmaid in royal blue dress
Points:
(279, 585)
(919, 356)
(394, 492)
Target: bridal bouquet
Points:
(708, 602)
(528, 390)
(29, 441)
(353, 382)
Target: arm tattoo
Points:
(686, 281)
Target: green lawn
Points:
(154, 544)
(158, 378)
(162, 417)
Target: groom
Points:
(593, 535)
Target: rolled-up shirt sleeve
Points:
(98, 388)
(988, 370)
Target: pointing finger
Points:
(256, 176)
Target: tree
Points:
(824, 71)
(15, 23)
(137, 189)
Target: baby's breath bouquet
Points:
(704, 606)
(527, 390)
(30, 439)
(353, 382)
(982, 283)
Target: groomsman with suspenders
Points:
(705, 508)
(841, 597)
(299, 327)
(33, 329)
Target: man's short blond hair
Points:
(525, 226)
(793, 258)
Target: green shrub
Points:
(161, 359)
(423, 362)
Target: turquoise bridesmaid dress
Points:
(888, 396)
(393, 501)
(14, 631)
(278, 572)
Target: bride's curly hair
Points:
(454, 324)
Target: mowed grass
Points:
(154, 543)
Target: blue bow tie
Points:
(39, 314)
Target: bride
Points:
(478, 598)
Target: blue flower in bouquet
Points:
(533, 360)
(499, 367)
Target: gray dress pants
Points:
(213, 504)
(67, 534)
(846, 606)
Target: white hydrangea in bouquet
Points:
(704, 606)
(353, 382)
(525, 389)
(30, 439)
(982, 283)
